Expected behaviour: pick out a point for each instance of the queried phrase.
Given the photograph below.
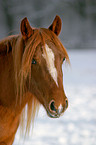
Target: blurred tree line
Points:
(78, 17)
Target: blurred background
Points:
(78, 124)
(78, 18)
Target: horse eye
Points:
(34, 61)
(63, 59)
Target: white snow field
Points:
(78, 124)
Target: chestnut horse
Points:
(30, 73)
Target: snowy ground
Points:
(78, 124)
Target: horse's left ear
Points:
(56, 25)
(26, 29)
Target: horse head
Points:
(42, 62)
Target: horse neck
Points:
(7, 73)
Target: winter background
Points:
(78, 124)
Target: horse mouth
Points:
(53, 115)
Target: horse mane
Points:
(23, 54)
(6, 44)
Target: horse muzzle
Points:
(54, 111)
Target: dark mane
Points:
(7, 44)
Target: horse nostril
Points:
(66, 103)
(52, 106)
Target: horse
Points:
(30, 75)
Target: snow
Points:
(78, 124)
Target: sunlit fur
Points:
(22, 67)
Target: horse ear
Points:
(26, 29)
(56, 25)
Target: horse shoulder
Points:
(9, 122)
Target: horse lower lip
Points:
(53, 115)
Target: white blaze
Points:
(50, 60)
(60, 108)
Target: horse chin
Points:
(52, 115)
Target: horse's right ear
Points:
(26, 29)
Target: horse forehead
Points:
(49, 56)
